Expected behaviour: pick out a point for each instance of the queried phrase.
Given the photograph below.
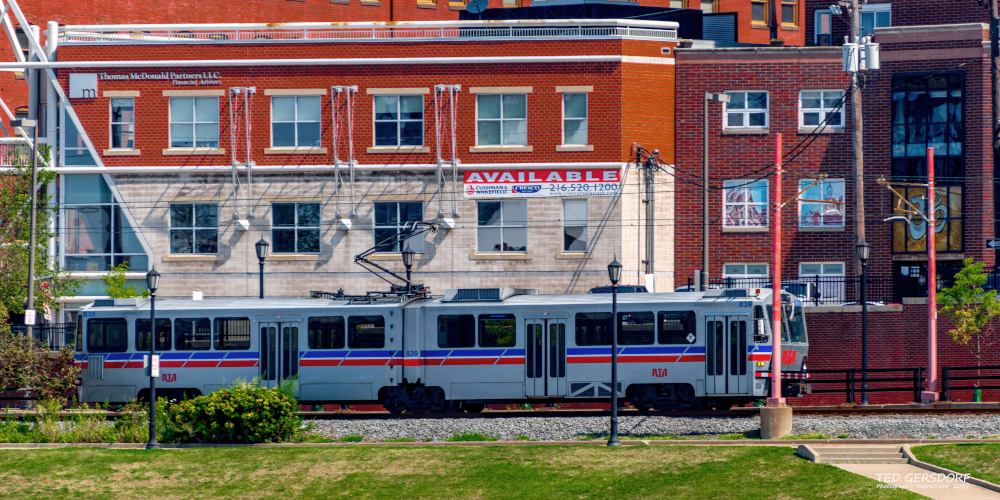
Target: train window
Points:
(796, 323)
(107, 335)
(162, 335)
(192, 334)
(79, 332)
(784, 323)
(497, 330)
(593, 329)
(677, 327)
(326, 332)
(456, 330)
(366, 332)
(636, 328)
(232, 334)
(737, 347)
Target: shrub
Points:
(245, 413)
(471, 436)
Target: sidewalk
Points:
(920, 481)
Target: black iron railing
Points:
(851, 379)
(823, 290)
(948, 377)
(54, 336)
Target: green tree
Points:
(116, 285)
(26, 365)
(51, 282)
(971, 309)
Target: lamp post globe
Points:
(152, 283)
(615, 273)
(863, 250)
(408, 255)
(262, 248)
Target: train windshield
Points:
(795, 321)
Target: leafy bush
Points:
(245, 413)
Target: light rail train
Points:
(458, 352)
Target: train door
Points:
(545, 357)
(726, 355)
(279, 352)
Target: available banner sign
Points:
(541, 183)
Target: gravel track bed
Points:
(572, 428)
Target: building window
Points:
(875, 16)
(823, 35)
(575, 119)
(822, 214)
(295, 227)
(828, 278)
(194, 228)
(927, 112)
(745, 271)
(708, 6)
(390, 217)
(574, 225)
(74, 149)
(399, 120)
(295, 122)
(819, 108)
(501, 119)
(676, 4)
(122, 123)
(194, 122)
(746, 110)
(745, 203)
(511, 3)
(503, 226)
(789, 13)
(758, 12)
(98, 234)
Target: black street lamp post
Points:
(615, 273)
(408, 255)
(152, 283)
(262, 249)
(863, 249)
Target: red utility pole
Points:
(931, 394)
(776, 283)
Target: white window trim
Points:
(193, 228)
(823, 111)
(112, 123)
(746, 112)
(585, 119)
(501, 120)
(503, 225)
(843, 218)
(423, 122)
(296, 122)
(744, 183)
(585, 225)
(194, 124)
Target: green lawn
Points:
(979, 460)
(431, 472)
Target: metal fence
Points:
(53, 336)
(824, 290)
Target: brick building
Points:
(561, 105)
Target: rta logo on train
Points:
(169, 377)
(659, 372)
(787, 357)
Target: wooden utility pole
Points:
(859, 154)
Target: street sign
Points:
(29, 316)
(993, 244)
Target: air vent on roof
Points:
(741, 292)
(485, 294)
(104, 303)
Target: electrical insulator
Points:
(851, 57)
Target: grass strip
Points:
(981, 461)
(674, 472)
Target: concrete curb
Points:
(792, 443)
(941, 470)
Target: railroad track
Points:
(557, 413)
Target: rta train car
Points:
(453, 353)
